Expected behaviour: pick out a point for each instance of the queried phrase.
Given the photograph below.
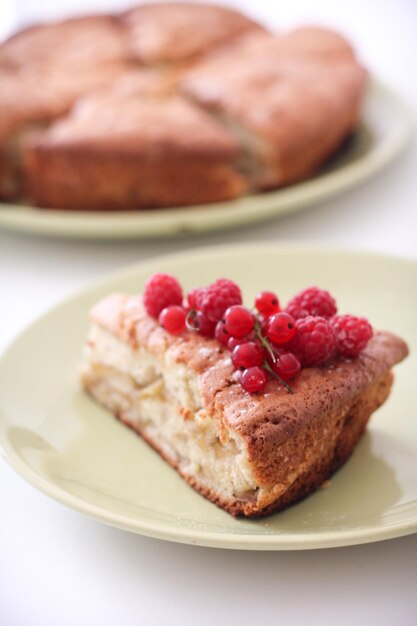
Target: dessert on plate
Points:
(254, 408)
(272, 107)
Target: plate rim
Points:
(160, 530)
(192, 220)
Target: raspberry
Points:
(216, 298)
(192, 296)
(314, 341)
(312, 301)
(287, 366)
(280, 328)
(267, 303)
(239, 321)
(172, 318)
(352, 334)
(247, 354)
(253, 379)
(161, 291)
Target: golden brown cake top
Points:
(268, 82)
(176, 32)
(39, 94)
(77, 42)
(137, 116)
(270, 417)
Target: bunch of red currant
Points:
(267, 341)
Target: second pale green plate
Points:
(385, 128)
(65, 445)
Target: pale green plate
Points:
(385, 128)
(70, 448)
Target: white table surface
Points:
(58, 567)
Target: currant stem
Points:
(269, 369)
(264, 341)
(190, 318)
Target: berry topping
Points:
(236, 341)
(267, 344)
(280, 328)
(192, 296)
(247, 354)
(314, 341)
(253, 379)
(161, 291)
(197, 321)
(221, 333)
(267, 303)
(352, 334)
(239, 321)
(287, 366)
(312, 301)
(172, 318)
(216, 298)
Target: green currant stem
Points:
(269, 369)
(190, 318)
(264, 341)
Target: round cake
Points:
(169, 105)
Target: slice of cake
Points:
(254, 411)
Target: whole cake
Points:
(167, 105)
(254, 408)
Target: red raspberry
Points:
(314, 341)
(267, 303)
(312, 301)
(161, 291)
(352, 334)
(216, 298)
(253, 379)
(280, 328)
(172, 318)
(192, 297)
(247, 354)
(239, 321)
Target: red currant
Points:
(205, 327)
(267, 303)
(253, 379)
(287, 366)
(172, 318)
(280, 328)
(247, 354)
(221, 333)
(239, 321)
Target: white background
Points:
(60, 568)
